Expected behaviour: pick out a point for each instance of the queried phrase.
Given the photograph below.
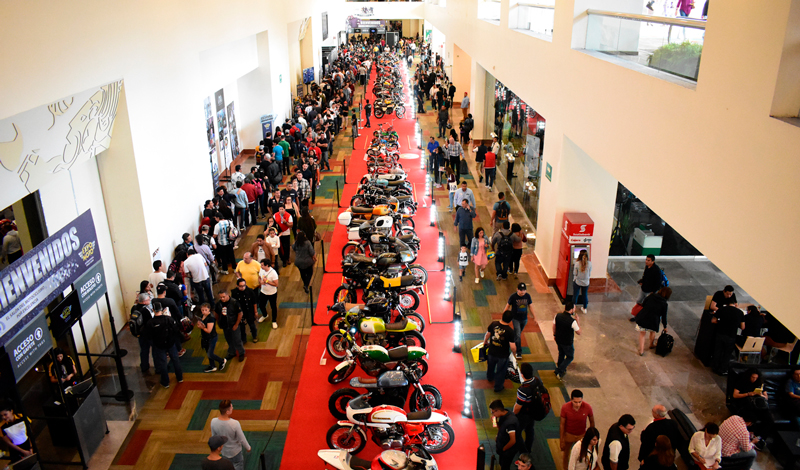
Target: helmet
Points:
(390, 460)
(378, 305)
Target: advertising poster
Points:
(234, 135)
(211, 137)
(222, 129)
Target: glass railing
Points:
(671, 45)
(536, 18)
(489, 10)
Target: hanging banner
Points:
(29, 346)
(91, 286)
(66, 314)
(267, 121)
(36, 279)
(222, 131)
(212, 141)
(234, 137)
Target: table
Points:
(790, 453)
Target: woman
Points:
(478, 249)
(145, 288)
(516, 248)
(451, 185)
(584, 453)
(273, 241)
(304, 258)
(62, 371)
(662, 457)
(706, 447)
(581, 274)
(654, 311)
(307, 224)
(208, 338)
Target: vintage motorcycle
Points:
(411, 458)
(374, 360)
(373, 330)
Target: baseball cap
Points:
(522, 286)
(215, 442)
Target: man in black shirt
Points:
(368, 113)
(143, 305)
(229, 317)
(520, 303)
(173, 290)
(728, 319)
(161, 331)
(171, 308)
(565, 325)
(507, 432)
(498, 339)
(480, 157)
(661, 426)
(651, 278)
(722, 297)
(617, 451)
(247, 301)
(274, 202)
(444, 117)
(524, 407)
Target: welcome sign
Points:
(36, 279)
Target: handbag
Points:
(317, 237)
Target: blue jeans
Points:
(442, 127)
(238, 461)
(160, 361)
(566, 353)
(144, 354)
(519, 325)
(452, 193)
(203, 289)
(496, 368)
(490, 173)
(580, 290)
(212, 358)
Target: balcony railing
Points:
(489, 10)
(671, 45)
(535, 18)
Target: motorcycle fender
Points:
(345, 423)
(343, 365)
(335, 458)
(415, 352)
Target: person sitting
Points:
(753, 324)
(62, 371)
(14, 432)
(738, 444)
(662, 457)
(793, 394)
(706, 447)
(722, 297)
(750, 397)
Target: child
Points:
(463, 261)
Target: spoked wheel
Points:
(337, 344)
(352, 249)
(379, 112)
(406, 231)
(431, 400)
(346, 438)
(419, 272)
(414, 338)
(337, 403)
(408, 222)
(439, 438)
(343, 294)
(356, 200)
(337, 322)
(409, 300)
(400, 112)
(338, 376)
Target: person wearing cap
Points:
(520, 303)
(225, 426)
(162, 331)
(171, 308)
(215, 460)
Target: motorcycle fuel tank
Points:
(376, 352)
(392, 379)
(371, 325)
(387, 414)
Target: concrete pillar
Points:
(478, 109)
(462, 73)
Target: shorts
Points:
(639, 328)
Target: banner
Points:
(91, 286)
(212, 141)
(42, 274)
(65, 315)
(222, 130)
(29, 346)
(234, 138)
(266, 125)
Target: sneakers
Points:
(261, 319)
(242, 358)
(519, 355)
(255, 340)
(559, 376)
(274, 325)
(180, 381)
(583, 309)
(481, 272)
(225, 272)
(210, 369)
(166, 386)
(181, 352)
(477, 281)
(224, 363)
(760, 445)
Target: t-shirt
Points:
(519, 304)
(576, 420)
(481, 154)
(209, 320)
(196, 266)
(720, 299)
(221, 464)
(753, 322)
(502, 210)
(15, 430)
(463, 258)
(728, 320)
(506, 426)
(499, 338)
(261, 253)
(249, 272)
(285, 220)
(156, 278)
(225, 310)
(793, 387)
(221, 231)
(270, 275)
(490, 160)
(277, 151)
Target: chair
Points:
(788, 348)
(752, 347)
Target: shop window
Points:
(535, 18)
(786, 101)
(489, 10)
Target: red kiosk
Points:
(577, 229)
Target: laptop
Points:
(30, 462)
(80, 388)
(751, 344)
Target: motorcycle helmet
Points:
(390, 460)
(378, 305)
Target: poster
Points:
(211, 137)
(222, 129)
(234, 135)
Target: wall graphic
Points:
(234, 134)
(38, 143)
(222, 129)
(211, 137)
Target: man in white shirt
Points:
(237, 176)
(197, 269)
(158, 275)
(268, 279)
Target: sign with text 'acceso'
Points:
(29, 346)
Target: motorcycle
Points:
(359, 268)
(377, 243)
(373, 330)
(389, 106)
(414, 458)
(375, 360)
(349, 314)
(391, 428)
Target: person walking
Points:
(499, 338)
(268, 279)
(504, 242)
(653, 312)
(162, 331)
(224, 233)
(197, 268)
(443, 119)
(565, 325)
(490, 169)
(208, 338)
(580, 275)
(454, 153)
(572, 425)
(285, 222)
(525, 407)
(307, 224)
(507, 441)
(224, 425)
(617, 450)
(145, 310)
(304, 258)
(215, 460)
(246, 298)
(452, 187)
(465, 105)
(500, 211)
(463, 221)
(584, 453)
(516, 247)
(229, 317)
(520, 303)
(650, 281)
(478, 249)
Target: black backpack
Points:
(163, 332)
(502, 211)
(540, 405)
(664, 344)
(504, 245)
(136, 322)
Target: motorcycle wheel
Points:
(419, 272)
(431, 400)
(408, 222)
(443, 440)
(379, 112)
(336, 344)
(356, 200)
(423, 366)
(352, 248)
(409, 300)
(337, 322)
(417, 319)
(406, 231)
(338, 438)
(400, 112)
(414, 338)
(338, 376)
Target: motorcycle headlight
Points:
(352, 331)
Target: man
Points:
(737, 442)
(285, 224)
(187, 242)
(268, 279)
(495, 148)
(503, 244)
(728, 319)
(240, 206)
(565, 325)
(162, 331)
(228, 427)
(303, 189)
(524, 462)
(201, 246)
(506, 442)
(158, 275)
(617, 450)
(251, 192)
(368, 113)
(466, 128)
(572, 425)
(277, 152)
(443, 118)
(229, 316)
(237, 175)
(451, 92)
(490, 168)
(225, 240)
(247, 301)
(793, 394)
(287, 159)
(651, 278)
(464, 215)
(215, 461)
(433, 144)
(500, 211)
(465, 105)
(661, 426)
(143, 306)
(248, 269)
(480, 158)
(722, 297)
(520, 303)
(464, 194)
(498, 340)
(174, 290)
(454, 153)
(274, 173)
(196, 267)
(524, 407)
(171, 309)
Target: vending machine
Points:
(577, 229)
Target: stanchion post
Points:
(322, 249)
(481, 462)
(491, 464)
(338, 202)
(263, 461)
(125, 394)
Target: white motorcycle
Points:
(416, 459)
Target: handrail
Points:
(689, 23)
(534, 5)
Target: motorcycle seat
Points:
(361, 258)
(406, 238)
(357, 222)
(361, 210)
(397, 326)
(419, 415)
(359, 464)
(368, 380)
(403, 198)
(398, 353)
(402, 281)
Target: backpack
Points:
(503, 211)
(136, 323)
(664, 344)
(664, 280)
(163, 332)
(233, 232)
(504, 245)
(540, 405)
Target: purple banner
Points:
(36, 279)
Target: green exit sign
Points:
(548, 172)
